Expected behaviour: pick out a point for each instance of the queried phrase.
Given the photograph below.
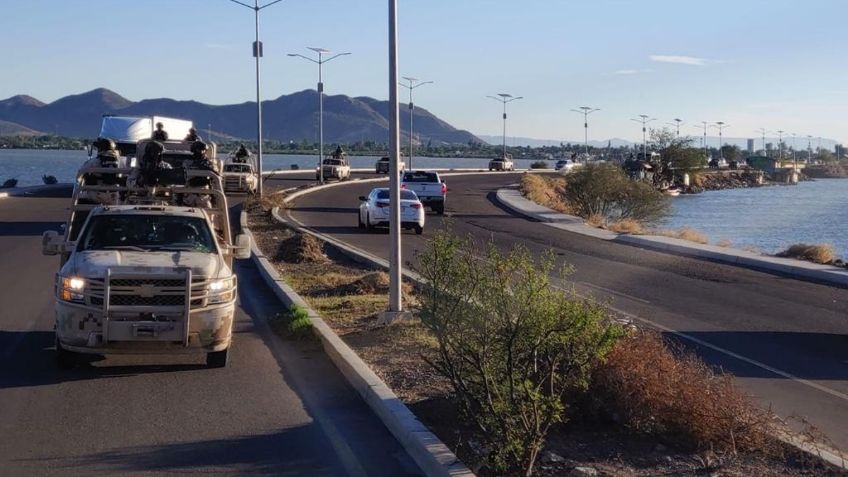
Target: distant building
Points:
(750, 146)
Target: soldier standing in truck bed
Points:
(192, 136)
(160, 134)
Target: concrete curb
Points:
(20, 191)
(514, 201)
(431, 454)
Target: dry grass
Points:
(657, 390)
(816, 253)
(627, 226)
(725, 243)
(546, 191)
(685, 233)
(596, 220)
(266, 203)
(300, 248)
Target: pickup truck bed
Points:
(428, 186)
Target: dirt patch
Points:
(300, 248)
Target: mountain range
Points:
(292, 117)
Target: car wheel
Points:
(419, 229)
(65, 359)
(217, 359)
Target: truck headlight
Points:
(72, 289)
(220, 291)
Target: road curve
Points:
(279, 408)
(785, 340)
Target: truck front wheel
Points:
(217, 359)
(65, 359)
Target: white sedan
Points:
(374, 210)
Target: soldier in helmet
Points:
(160, 134)
(192, 136)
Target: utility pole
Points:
(413, 83)
(505, 98)
(320, 62)
(586, 111)
(644, 119)
(257, 53)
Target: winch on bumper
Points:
(137, 313)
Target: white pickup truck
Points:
(144, 274)
(428, 186)
(240, 177)
(333, 168)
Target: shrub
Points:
(820, 253)
(627, 226)
(605, 190)
(510, 344)
(725, 243)
(686, 233)
(538, 165)
(545, 191)
(655, 389)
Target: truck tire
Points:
(418, 229)
(65, 359)
(439, 208)
(217, 359)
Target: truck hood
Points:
(93, 264)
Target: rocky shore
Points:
(720, 180)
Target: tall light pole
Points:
(413, 83)
(780, 144)
(705, 124)
(644, 119)
(395, 309)
(809, 149)
(586, 111)
(763, 131)
(677, 122)
(320, 62)
(794, 151)
(257, 53)
(720, 125)
(505, 98)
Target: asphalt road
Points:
(279, 408)
(785, 340)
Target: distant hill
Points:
(11, 129)
(292, 117)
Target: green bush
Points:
(294, 323)
(511, 345)
(539, 165)
(605, 190)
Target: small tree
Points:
(605, 190)
(512, 346)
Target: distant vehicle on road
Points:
(428, 186)
(565, 165)
(239, 177)
(334, 168)
(374, 210)
(382, 166)
(502, 163)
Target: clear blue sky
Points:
(777, 64)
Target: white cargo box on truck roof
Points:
(137, 128)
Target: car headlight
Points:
(220, 291)
(72, 289)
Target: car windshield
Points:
(421, 177)
(236, 168)
(332, 162)
(143, 232)
(383, 194)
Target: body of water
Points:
(770, 218)
(766, 218)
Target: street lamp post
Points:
(763, 131)
(677, 123)
(257, 53)
(780, 144)
(413, 83)
(720, 125)
(704, 140)
(505, 98)
(586, 111)
(644, 119)
(320, 62)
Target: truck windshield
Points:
(142, 232)
(333, 162)
(236, 168)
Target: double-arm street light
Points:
(320, 62)
(586, 111)
(677, 123)
(505, 98)
(413, 83)
(705, 125)
(644, 119)
(257, 53)
(720, 125)
(764, 131)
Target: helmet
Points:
(159, 125)
(198, 147)
(192, 130)
(104, 144)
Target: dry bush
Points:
(673, 395)
(685, 233)
(301, 248)
(818, 253)
(546, 191)
(725, 243)
(627, 226)
(595, 220)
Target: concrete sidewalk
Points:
(513, 200)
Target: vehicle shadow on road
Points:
(812, 356)
(291, 451)
(9, 229)
(31, 362)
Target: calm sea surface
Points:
(766, 218)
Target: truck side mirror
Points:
(51, 243)
(241, 250)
